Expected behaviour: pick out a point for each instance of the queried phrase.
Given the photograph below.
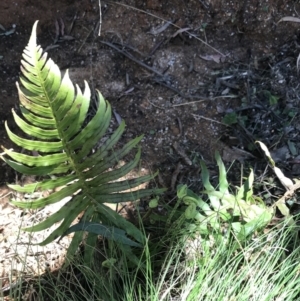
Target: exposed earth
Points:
(173, 70)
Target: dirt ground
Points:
(170, 69)
(179, 91)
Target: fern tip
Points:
(32, 40)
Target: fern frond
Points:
(54, 121)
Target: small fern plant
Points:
(240, 213)
(62, 140)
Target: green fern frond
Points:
(54, 120)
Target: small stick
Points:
(161, 28)
(175, 175)
(62, 28)
(190, 102)
(131, 57)
(84, 41)
(72, 24)
(100, 19)
(161, 108)
(161, 180)
(56, 31)
(180, 126)
(208, 119)
(157, 46)
(182, 153)
(159, 79)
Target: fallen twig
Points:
(159, 29)
(182, 153)
(190, 102)
(161, 77)
(180, 126)
(128, 55)
(208, 119)
(175, 176)
(100, 19)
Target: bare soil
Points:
(172, 82)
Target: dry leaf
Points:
(267, 153)
(159, 29)
(180, 31)
(218, 58)
(286, 182)
(289, 19)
